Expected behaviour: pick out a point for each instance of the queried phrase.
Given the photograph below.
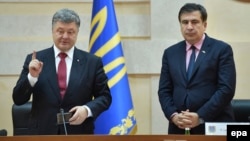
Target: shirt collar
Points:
(69, 52)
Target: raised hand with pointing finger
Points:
(35, 66)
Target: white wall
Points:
(147, 27)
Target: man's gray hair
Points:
(66, 16)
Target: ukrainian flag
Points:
(105, 42)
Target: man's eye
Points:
(71, 32)
(60, 32)
(184, 22)
(195, 22)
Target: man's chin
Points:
(190, 40)
(64, 47)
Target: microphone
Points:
(64, 123)
(3, 132)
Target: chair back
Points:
(241, 109)
(3, 132)
(20, 118)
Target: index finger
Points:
(34, 55)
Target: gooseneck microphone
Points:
(3, 132)
(63, 120)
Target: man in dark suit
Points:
(82, 91)
(203, 95)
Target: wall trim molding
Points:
(65, 1)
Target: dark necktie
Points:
(62, 74)
(191, 63)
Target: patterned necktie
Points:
(191, 63)
(62, 74)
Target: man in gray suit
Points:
(80, 87)
(190, 96)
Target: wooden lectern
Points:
(115, 138)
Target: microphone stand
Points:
(64, 124)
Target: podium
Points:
(115, 138)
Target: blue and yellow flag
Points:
(105, 42)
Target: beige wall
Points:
(147, 27)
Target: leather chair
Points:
(241, 109)
(3, 132)
(20, 118)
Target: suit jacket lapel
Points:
(76, 71)
(183, 59)
(50, 70)
(203, 53)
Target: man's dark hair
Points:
(191, 7)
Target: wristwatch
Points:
(201, 121)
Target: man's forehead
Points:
(191, 15)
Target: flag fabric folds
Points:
(105, 42)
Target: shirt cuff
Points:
(175, 113)
(89, 111)
(32, 80)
